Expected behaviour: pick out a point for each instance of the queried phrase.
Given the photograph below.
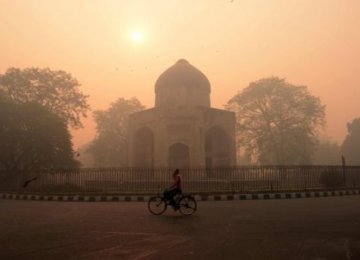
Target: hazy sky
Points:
(119, 48)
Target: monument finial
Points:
(182, 61)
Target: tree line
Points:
(37, 107)
(278, 123)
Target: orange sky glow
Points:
(119, 48)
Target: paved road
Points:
(321, 228)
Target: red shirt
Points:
(177, 184)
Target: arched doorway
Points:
(217, 148)
(143, 148)
(179, 156)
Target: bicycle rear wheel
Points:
(187, 205)
(157, 205)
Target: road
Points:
(317, 228)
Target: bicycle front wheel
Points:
(157, 205)
(187, 205)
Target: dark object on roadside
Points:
(331, 178)
(26, 183)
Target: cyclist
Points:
(174, 189)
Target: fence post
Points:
(343, 162)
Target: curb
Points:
(220, 197)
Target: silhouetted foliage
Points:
(277, 122)
(85, 158)
(351, 144)
(32, 138)
(111, 144)
(327, 153)
(55, 89)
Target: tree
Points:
(327, 153)
(83, 155)
(111, 144)
(32, 138)
(55, 89)
(351, 144)
(277, 122)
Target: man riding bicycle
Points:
(174, 189)
(185, 203)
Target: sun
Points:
(137, 36)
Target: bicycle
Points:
(185, 203)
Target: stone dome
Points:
(183, 84)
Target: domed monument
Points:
(182, 130)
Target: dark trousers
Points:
(170, 194)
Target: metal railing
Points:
(239, 179)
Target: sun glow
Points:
(137, 36)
